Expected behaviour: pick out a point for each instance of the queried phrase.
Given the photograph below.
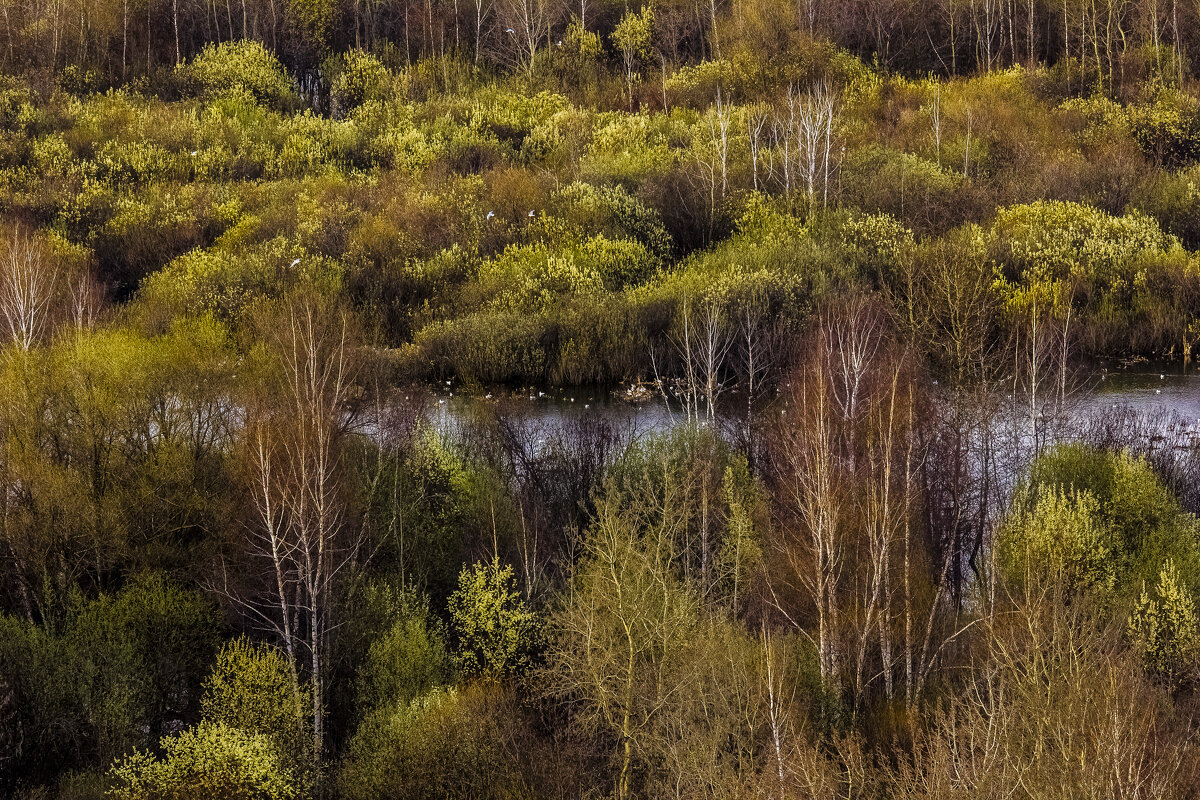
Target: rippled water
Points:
(1147, 389)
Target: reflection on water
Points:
(551, 410)
(1146, 389)
(1166, 394)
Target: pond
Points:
(1167, 394)
(1167, 390)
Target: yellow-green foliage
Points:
(534, 278)
(1139, 515)
(697, 84)
(1164, 629)
(741, 552)
(446, 743)
(532, 281)
(404, 663)
(511, 116)
(19, 112)
(484, 347)
(1174, 200)
(612, 212)
(226, 284)
(361, 77)
(208, 761)
(232, 68)
(1168, 129)
(772, 262)
(251, 689)
(876, 241)
(881, 179)
(105, 679)
(123, 409)
(632, 33)
(1058, 535)
(1100, 118)
(1075, 240)
(632, 147)
(496, 634)
(558, 141)
(390, 139)
(881, 166)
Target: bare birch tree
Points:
(294, 439)
(28, 288)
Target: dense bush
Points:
(447, 743)
(1109, 519)
(495, 632)
(125, 669)
(251, 689)
(297, 300)
(210, 760)
(224, 70)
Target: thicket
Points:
(862, 252)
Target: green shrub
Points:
(613, 213)
(1173, 199)
(1074, 240)
(447, 744)
(495, 632)
(1164, 629)
(405, 662)
(432, 485)
(531, 279)
(1144, 522)
(211, 760)
(142, 655)
(484, 348)
(226, 284)
(43, 721)
(360, 78)
(629, 149)
(511, 116)
(1058, 536)
(910, 188)
(233, 68)
(697, 84)
(1168, 130)
(251, 688)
